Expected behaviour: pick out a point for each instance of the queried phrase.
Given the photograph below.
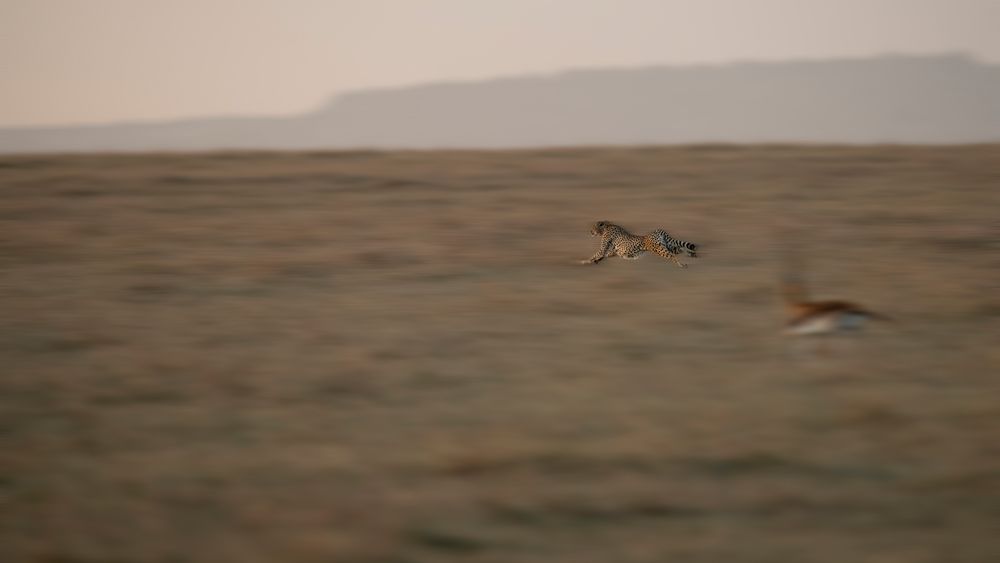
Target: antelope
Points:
(806, 317)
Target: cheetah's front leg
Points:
(600, 255)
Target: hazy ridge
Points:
(889, 99)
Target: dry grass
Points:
(395, 358)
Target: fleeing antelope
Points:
(805, 317)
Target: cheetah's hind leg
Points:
(662, 251)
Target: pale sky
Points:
(95, 61)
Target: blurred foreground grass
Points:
(395, 358)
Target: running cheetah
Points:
(616, 241)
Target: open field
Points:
(397, 358)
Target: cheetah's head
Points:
(599, 228)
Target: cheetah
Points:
(616, 241)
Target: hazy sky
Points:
(88, 61)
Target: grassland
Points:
(395, 357)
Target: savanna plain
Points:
(396, 357)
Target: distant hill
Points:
(890, 99)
